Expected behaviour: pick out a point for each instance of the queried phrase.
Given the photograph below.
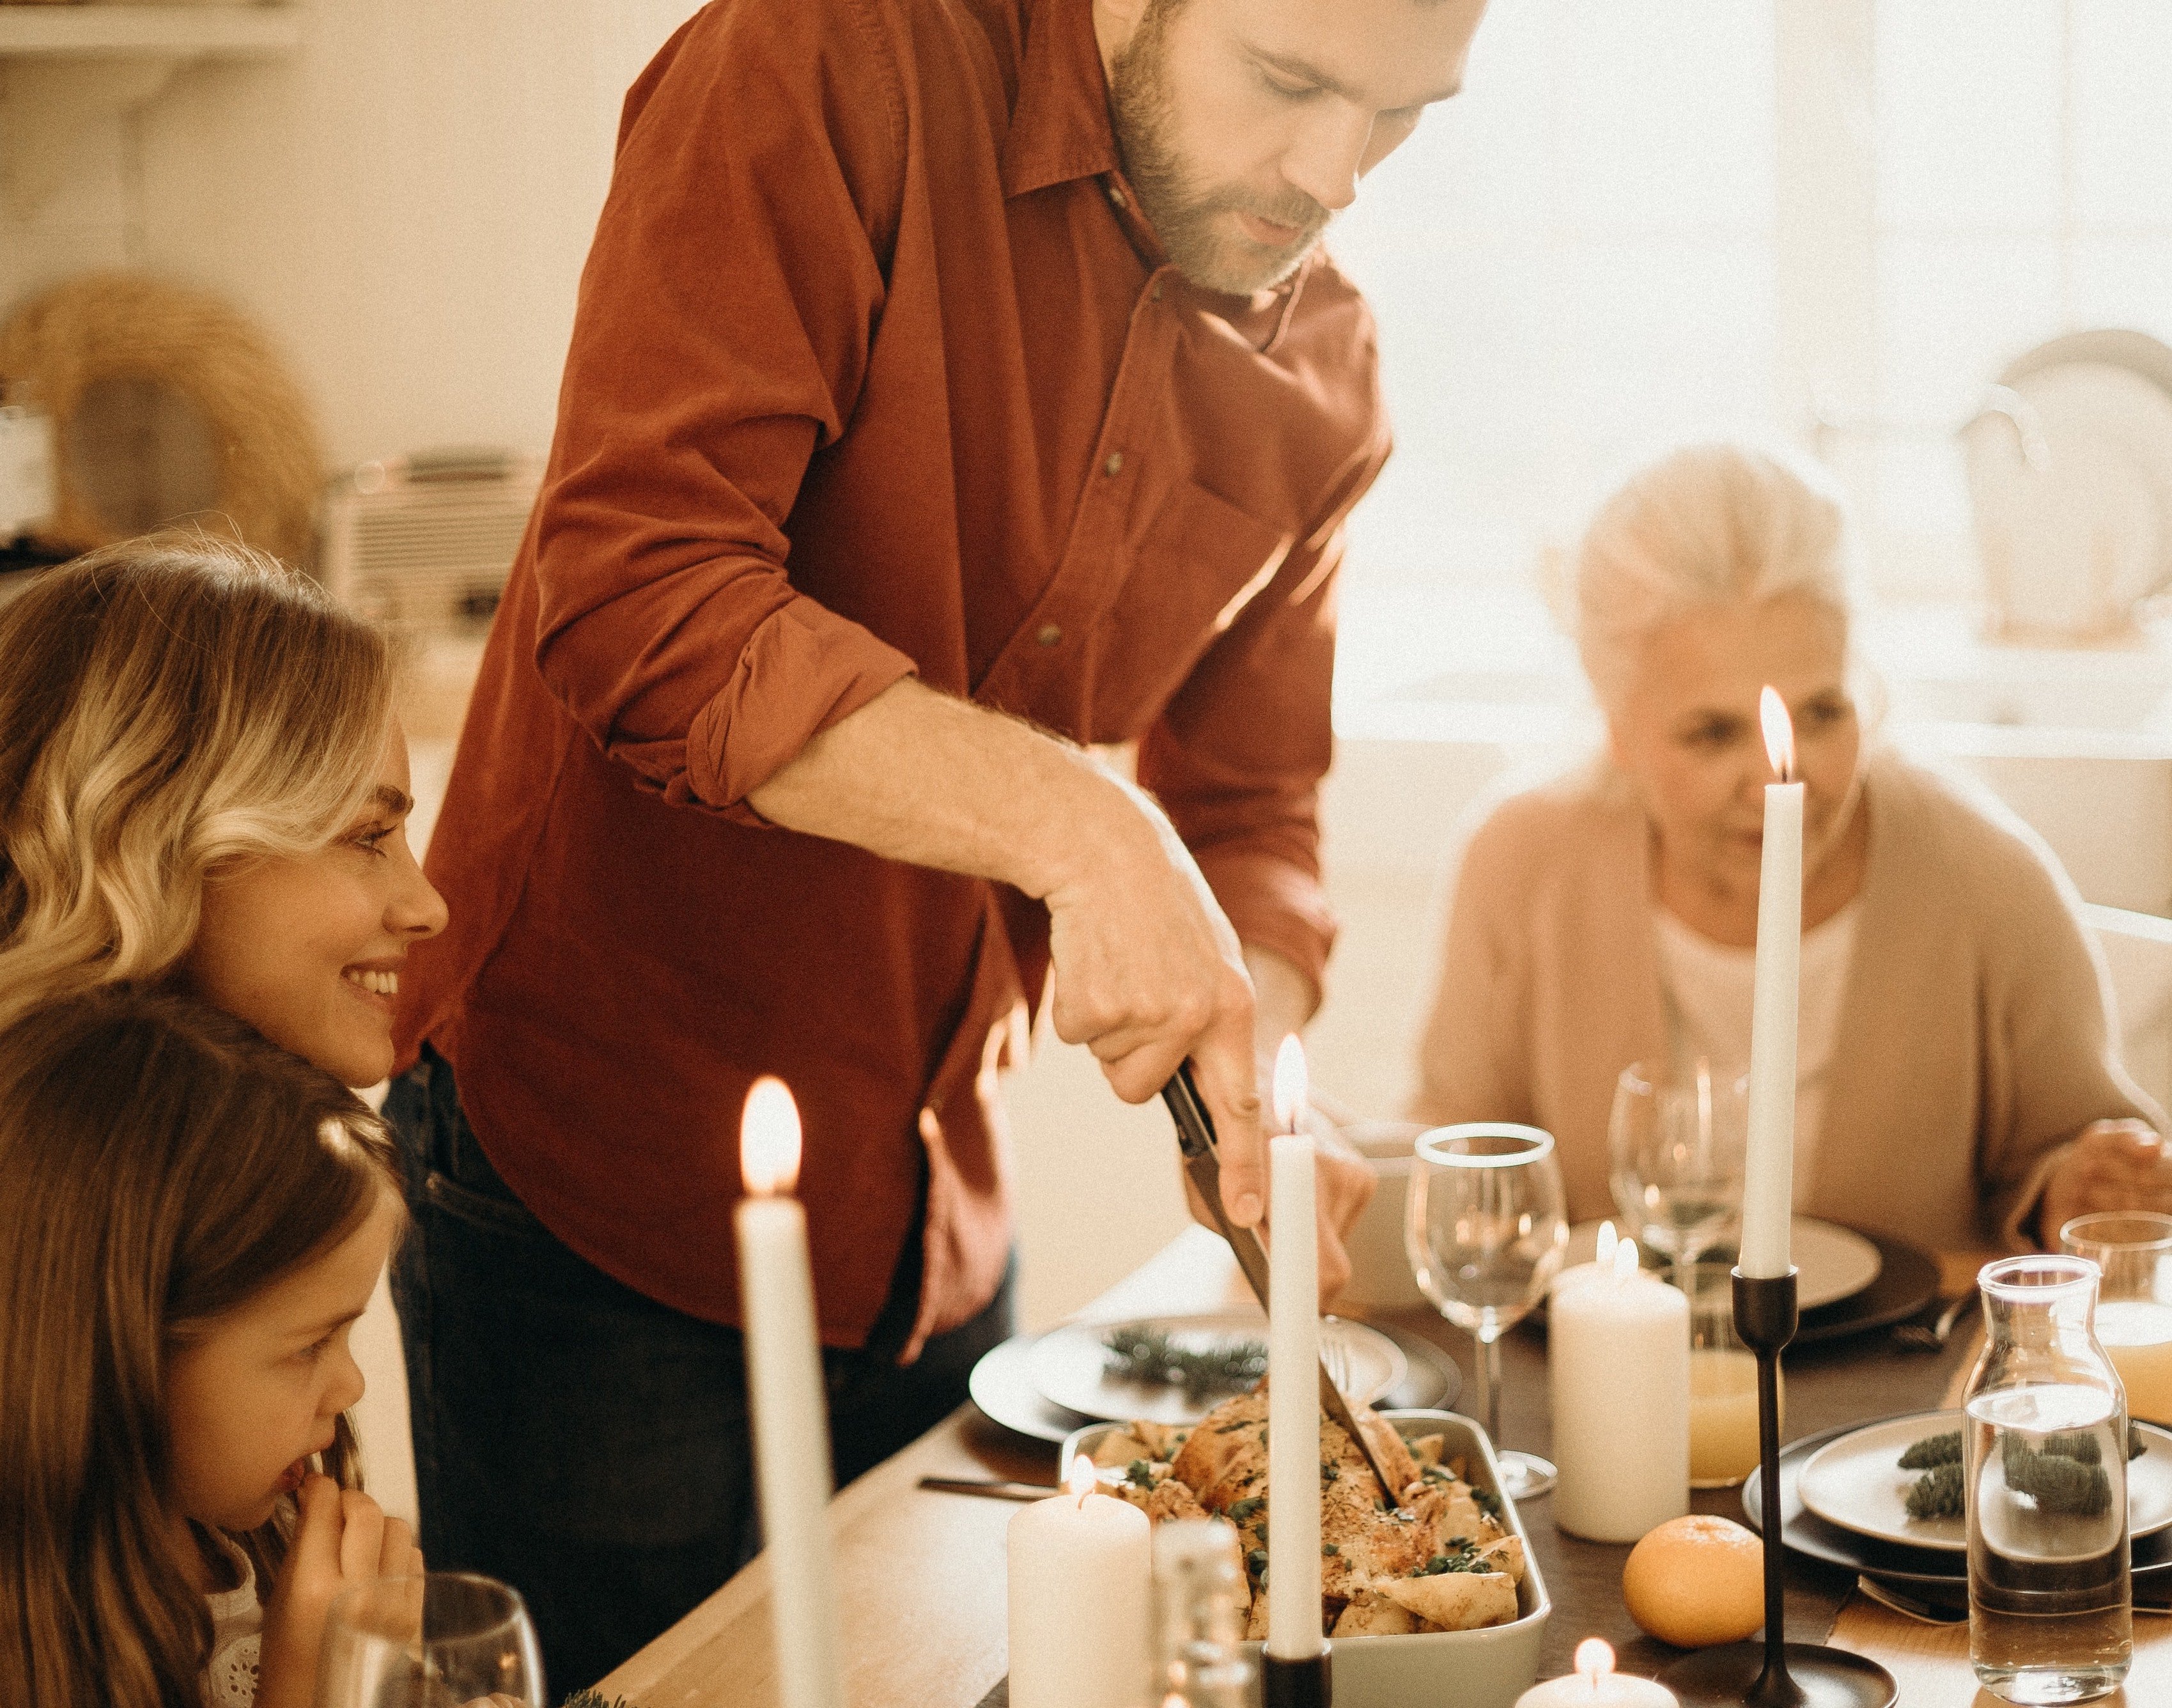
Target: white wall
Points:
(403, 204)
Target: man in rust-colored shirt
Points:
(955, 382)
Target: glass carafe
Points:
(2043, 1440)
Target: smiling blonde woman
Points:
(1958, 1082)
(202, 782)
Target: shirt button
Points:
(1156, 292)
(1049, 635)
(1115, 465)
(1116, 196)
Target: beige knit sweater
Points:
(1974, 1038)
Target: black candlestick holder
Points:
(1306, 1683)
(1775, 1673)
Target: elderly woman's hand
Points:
(2113, 1165)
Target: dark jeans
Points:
(583, 1443)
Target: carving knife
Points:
(1203, 1162)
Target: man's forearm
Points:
(933, 781)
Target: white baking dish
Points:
(1487, 1668)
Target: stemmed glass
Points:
(441, 1640)
(1677, 1143)
(1486, 1231)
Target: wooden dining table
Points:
(920, 1575)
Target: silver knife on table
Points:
(1203, 1162)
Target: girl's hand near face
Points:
(343, 1540)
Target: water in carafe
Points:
(2045, 1440)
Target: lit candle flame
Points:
(1779, 733)
(1608, 1241)
(769, 1139)
(1290, 1089)
(1594, 1660)
(1082, 1480)
(1625, 1260)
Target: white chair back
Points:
(2137, 947)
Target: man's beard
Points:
(1192, 221)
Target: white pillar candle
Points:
(785, 1388)
(1768, 1186)
(1080, 1566)
(1618, 1369)
(1293, 1609)
(1595, 1683)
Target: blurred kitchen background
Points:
(1930, 240)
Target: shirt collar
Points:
(1060, 127)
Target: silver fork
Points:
(1335, 1353)
(1914, 1337)
(1929, 1612)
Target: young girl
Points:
(190, 1218)
(202, 784)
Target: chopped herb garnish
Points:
(1139, 1475)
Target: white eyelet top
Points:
(237, 1627)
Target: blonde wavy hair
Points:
(1708, 524)
(168, 704)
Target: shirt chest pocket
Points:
(1194, 570)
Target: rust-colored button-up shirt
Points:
(876, 372)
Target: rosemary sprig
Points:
(1137, 1353)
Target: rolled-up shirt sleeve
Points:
(722, 335)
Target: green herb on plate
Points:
(1137, 1353)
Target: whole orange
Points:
(1697, 1580)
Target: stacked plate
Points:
(1843, 1500)
(1048, 1385)
(1848, 1283)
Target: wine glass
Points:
(440, 1640)
(1677, 1141)
(1486, 1232)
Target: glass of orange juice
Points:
(1722, 1380)
(2133, 1247)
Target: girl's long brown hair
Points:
(159, 1164)
(166, 705)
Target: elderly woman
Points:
(1958, 1082)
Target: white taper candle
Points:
(1768, 1186)
(1293, 1611)
(785, 1388)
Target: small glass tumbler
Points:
(2044, 1471)
(2133, 1247)
(1722, 1380)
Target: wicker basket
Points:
(126, 325)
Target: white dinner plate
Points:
(1856, 1483)
(1836, 1263)
(1070, 1364)
(1001, 1386)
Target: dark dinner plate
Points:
(1939, 1576)
(1907, 1281)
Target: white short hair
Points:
(1709, 525)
